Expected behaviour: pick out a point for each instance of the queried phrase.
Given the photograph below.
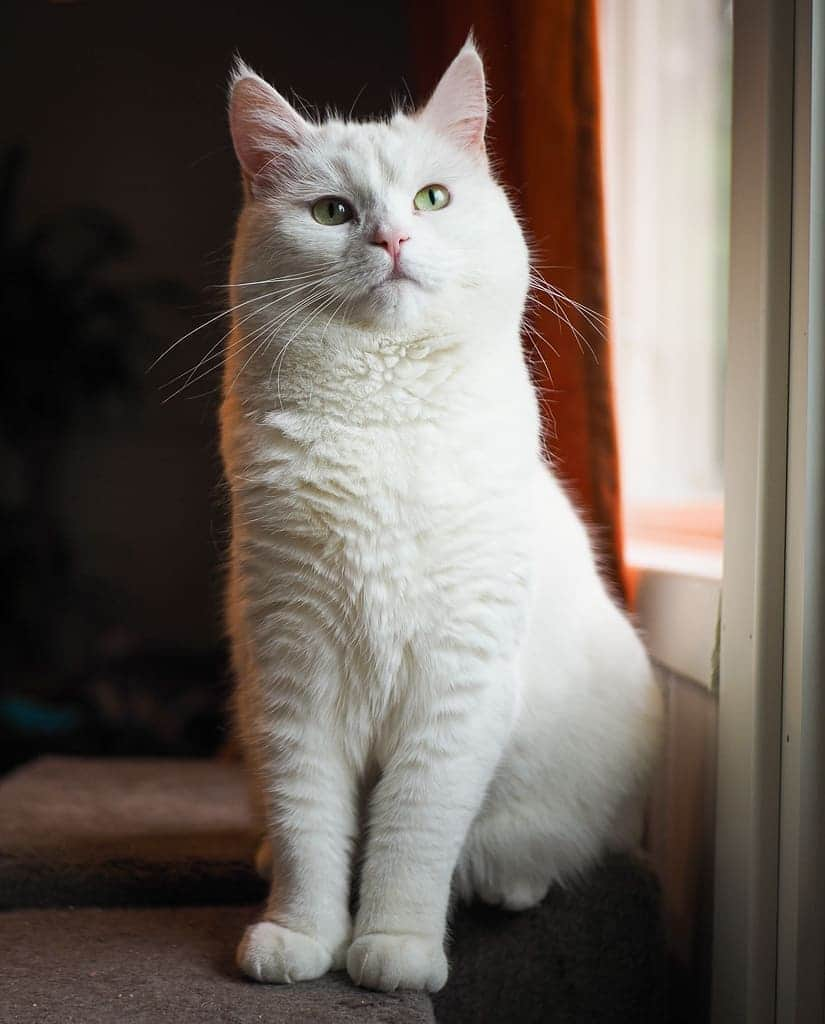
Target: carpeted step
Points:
(95, 832)
(150, 833)
(594, 952)
(156, 965)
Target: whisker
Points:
(276, 325)
(280, 360)
(345, 302)
(533, 334)
(200, 327)
(358, 96)
(561, 315)
(597, 320)
(317, 271)
(216, 356)
(262, 328)
(313, 277)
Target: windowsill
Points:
(676, 604)
(649, 556)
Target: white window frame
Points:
(769, 927)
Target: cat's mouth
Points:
(396, 275)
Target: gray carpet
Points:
(125, 832)
(592, 953)
(159, 837)
(156, 965)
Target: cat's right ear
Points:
(264, 126)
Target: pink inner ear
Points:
(458, 107)
(264, 126)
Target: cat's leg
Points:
(309, 794)
(431, 785)
(571, 784)
(518, 846)
(527, 836)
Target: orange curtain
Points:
(542, 67)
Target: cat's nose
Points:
(391, 239)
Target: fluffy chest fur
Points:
(370, 529)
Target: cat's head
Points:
(385, 224)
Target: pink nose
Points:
(390, 239)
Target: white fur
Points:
(429, 670)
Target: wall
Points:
(123, 106)
(681, 837)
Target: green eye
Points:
(431, 197)
(331, 211)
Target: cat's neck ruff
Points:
(385, 376)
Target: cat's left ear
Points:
(458, 107)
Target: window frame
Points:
(769, 915)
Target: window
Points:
(666, 77)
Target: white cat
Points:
(430, 673)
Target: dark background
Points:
(119, 193)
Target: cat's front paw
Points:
(271, 953)
(388, 962)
